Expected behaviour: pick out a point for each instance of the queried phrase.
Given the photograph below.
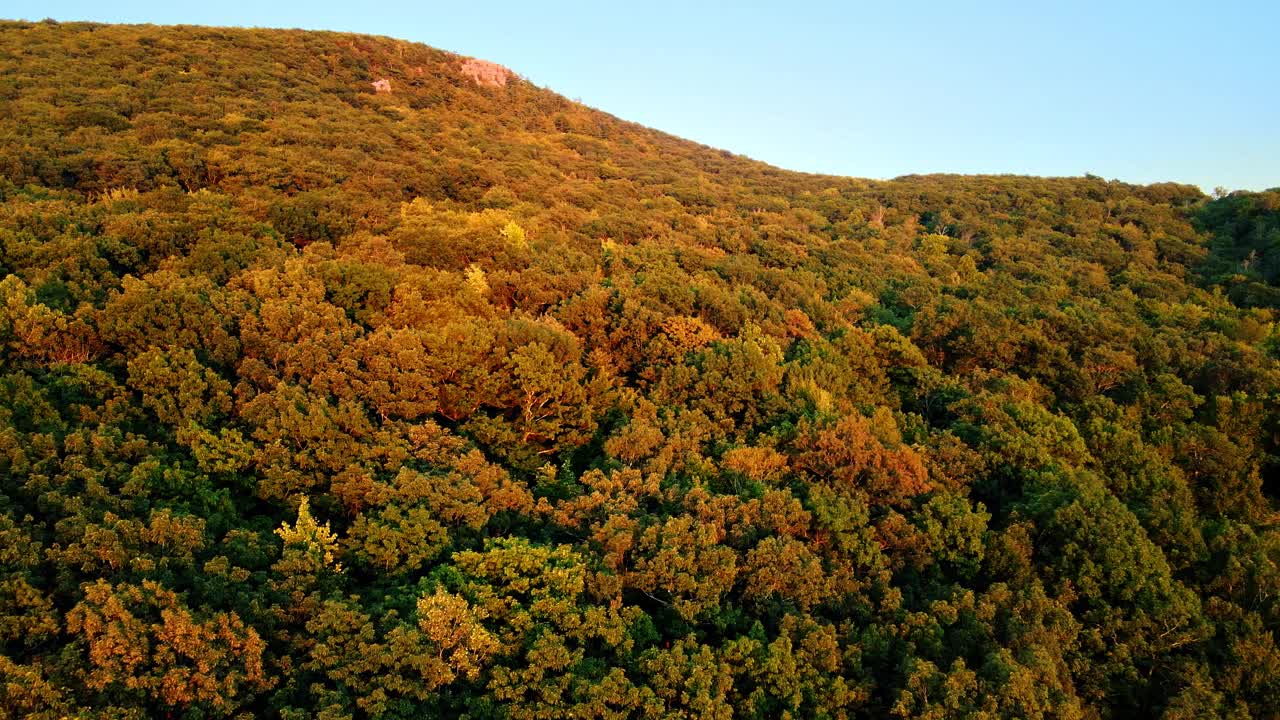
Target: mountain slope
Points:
(345, 377)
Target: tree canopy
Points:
(465, 400)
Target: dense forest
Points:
(444, 396)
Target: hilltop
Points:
(346, 377)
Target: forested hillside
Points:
(323, 396)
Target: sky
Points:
(1139, 91)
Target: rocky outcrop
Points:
(483, 72)
(381, 85)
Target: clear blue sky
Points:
(1141, 91)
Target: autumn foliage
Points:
(465, 400)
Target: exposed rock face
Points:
(382, 85)
(483, 72)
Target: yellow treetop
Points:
(317, 538)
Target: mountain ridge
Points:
(381, 49)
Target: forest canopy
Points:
(444, 396)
